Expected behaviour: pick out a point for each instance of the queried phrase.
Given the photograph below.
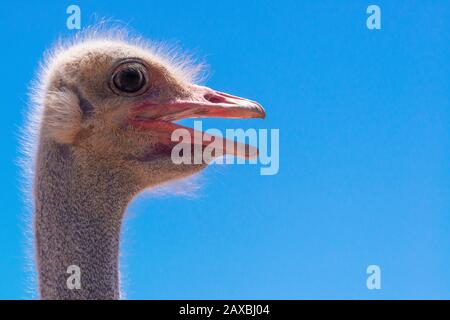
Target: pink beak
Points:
(203, 103)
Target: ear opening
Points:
(62, 115)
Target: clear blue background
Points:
(364, 160)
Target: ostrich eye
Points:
(130, 79)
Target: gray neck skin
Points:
(78, 219)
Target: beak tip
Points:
(262, 112)
(258, 110)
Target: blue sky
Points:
(364, 151)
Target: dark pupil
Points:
(129, 80)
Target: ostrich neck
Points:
(79, 211)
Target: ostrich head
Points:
(108, 111)
(117, 103)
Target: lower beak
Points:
(203, 103)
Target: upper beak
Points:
(202, 103)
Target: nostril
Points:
(213, 98)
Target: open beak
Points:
(203, 103)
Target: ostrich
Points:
(104, 116)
